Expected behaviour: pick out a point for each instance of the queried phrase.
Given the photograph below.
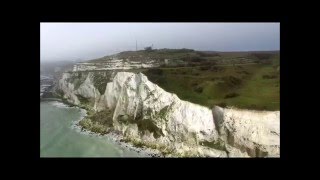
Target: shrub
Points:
(100, 82)
(103, 117)
(204, 68)
(59, 92)
(253, 106)
(231, 95)
(245, 72)
(216, 69)
(145, 125)
(166, 150)
(197, 59)
(93, 126)
(194, 84)
(269, 76)
(262, 56)
(198, 89)
(205, 54)
(232, 81)
(86, 123)
(98, 128)
(193, 59)
(239, 67)
(148, 49)
(220, 145)
(222, 104)
(138, 144)
(213, 79)
(184, 50)
(82, 99)
(47, 95)
(158, 72)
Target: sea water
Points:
(59, 139)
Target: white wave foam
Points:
(59, 104)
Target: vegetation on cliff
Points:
(251, 86)
(98, 122)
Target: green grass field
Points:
(255, 86)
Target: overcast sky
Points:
(74, 41)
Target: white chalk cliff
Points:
(144, 112)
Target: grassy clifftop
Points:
(189, 57)
(249, 80)
(247, 86)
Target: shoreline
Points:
(111, 136)
(50, 99)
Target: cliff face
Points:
(143, 112)
(253, 133)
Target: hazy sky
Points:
(72, 41)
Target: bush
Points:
(253, 106)
(194, 84)
(103, 117)
(158, 72)
(98, 128)
(148, 125)
(232, 81)
(245, 72)
(262, 56)
(198, 89)
(173, 51)
(100, 82)
(184, 50)
(204, 68)
(138, 144)
(217, 69)
(59, 92)
(269, 76)
(205, 54)
(239, 67)
(197, 59)
(231, 95)
(94, 127)
(148, 49)
(222, 104)
(193, 59)
(86, 123)
(220, 145)
(213, 79)
(82, 99)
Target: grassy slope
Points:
(255, 92)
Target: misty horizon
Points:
(86, 41)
